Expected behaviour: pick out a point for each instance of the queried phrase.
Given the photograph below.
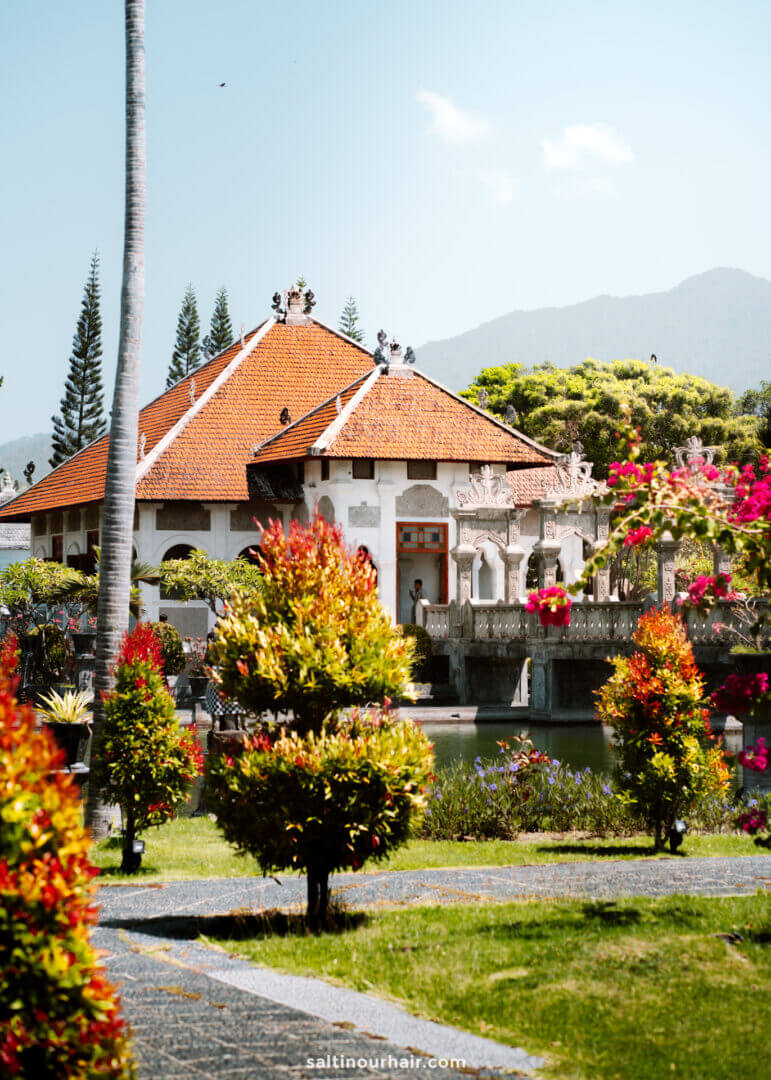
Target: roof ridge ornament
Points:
(294, 306)
(390, 357)
(486, 488)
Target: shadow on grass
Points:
(239, 925)
(611, 851)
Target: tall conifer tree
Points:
(187, 351)
(349, 321)
(221, 330)
(81, 418)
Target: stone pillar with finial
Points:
(666, 551)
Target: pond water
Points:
(577, 745)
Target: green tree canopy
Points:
(758, 403)
(81, 416)
(187, 350)
(558, 406)
(349, 321)
(200, 577)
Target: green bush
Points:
(172, 650)
(143, 762)
(424, 650)
(58, 1015)
(322, 802)
(655, 704)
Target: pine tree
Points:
(220, 330)
(187, 351)
(349, 321)
(81, 418)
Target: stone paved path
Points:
(192, 1018)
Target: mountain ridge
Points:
(716, 324)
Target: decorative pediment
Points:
(694, 454)
(572, 477)
(486, 488)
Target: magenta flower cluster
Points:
(752, 822)
(752, 497)
(552, 605)
(740, 693)
(754, 757)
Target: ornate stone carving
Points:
(694, 454)
(572, 477)
(486, 488)
(422, 500)
(364, 516)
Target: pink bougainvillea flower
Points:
(637, 537)
(754, 757)
(740, 693)
(552, 606)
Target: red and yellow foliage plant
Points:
(58, 1015)
(654, 701)
(314, 638)
(143, 762)
(322, 802)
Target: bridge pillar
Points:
(666, 550)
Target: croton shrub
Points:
(654, 701)
(58, 1015)
(143, 762)
(314, 639)
(172, 649)
(321, 802)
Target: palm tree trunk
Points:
(120, 482)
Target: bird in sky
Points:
(223, 84)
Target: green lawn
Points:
(194, 848)
(627, 990)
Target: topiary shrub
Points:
(172, 650)
(654, 701)
(143, 762)
(314, 638)
(58, 1015)
(423, 650)
(322, 802)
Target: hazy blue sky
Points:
(445, 162)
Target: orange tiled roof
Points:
(208, 444)
(407, 418)
(530, 484)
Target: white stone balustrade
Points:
(480, 620)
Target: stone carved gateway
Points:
(487, 512)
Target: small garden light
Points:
(676, 834)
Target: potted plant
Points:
(198, 672)
(67, 717)
(172, 650)
(83, 635)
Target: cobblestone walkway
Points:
(193, 1018)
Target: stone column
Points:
(547, 553)
(512, 556)
(512, 560)
(721, 561)
(666, 550)
(463, 554)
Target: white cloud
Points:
(454, 126)
(585, 144)
(500, 185)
